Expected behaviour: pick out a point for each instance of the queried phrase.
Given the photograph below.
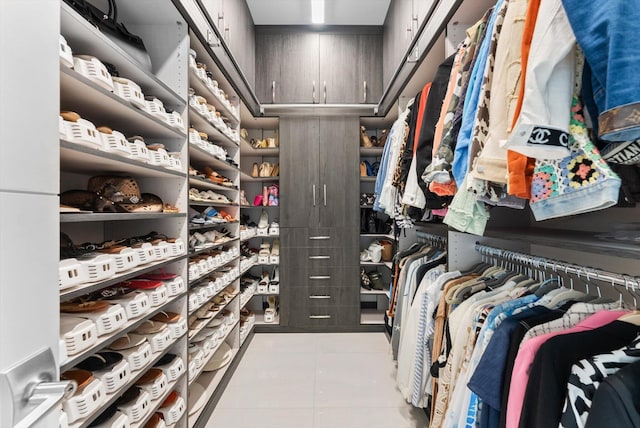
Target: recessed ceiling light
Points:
(317, 11)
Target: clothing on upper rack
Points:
(502, 122)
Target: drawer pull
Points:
(319, 297)
(319, 257)
(319, 238)
(319, 317)
(320, 277)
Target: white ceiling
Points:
(337, 12)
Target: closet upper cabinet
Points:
(400, 28)
(233, 20)
(300, 66)
(286, 66)
(397, 35)
(350, 70)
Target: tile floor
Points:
(341, 380)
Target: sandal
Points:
(254, 170)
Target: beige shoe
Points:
(254, 170)
(364, 138)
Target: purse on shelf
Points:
(107, 23)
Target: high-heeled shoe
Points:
(270, 312)
(275, 171)
(364, 138)
(263, 223)
(243, 198)
(383, 137)
(274, 257)
(265, 196)
(263, 285)
(274, 284)
(254, 170)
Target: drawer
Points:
(319, 237)
(326, 257)
(314, 296)
(325, 316)
(320, 276)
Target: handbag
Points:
(108, 24)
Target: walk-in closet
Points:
(319, 213)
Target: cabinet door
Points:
(339, 66)
(215, 10)
(339, 180)
(369, 68)
(267, 57)
(397, 35)
(300, 193)
(287, 67)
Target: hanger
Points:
(633, 317)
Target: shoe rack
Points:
(214, 232)
(375, 272)
(260, 236)
(123, 275)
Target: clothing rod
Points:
(539, 263)
(437, 239)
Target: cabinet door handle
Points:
(321, 297)
(313, 92)
(319, 317)
(319, 257)
(314, 195)
(319, 238)
(325, 91)
(273, 92)
(364, 99)
(325, 194)
(320, 277)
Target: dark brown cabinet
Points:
(319, 222)
(300, 66)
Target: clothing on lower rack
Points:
(493, 348)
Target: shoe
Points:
(383, 137)
(265, 196)
(274, 284)
(263, 224)
(271, 143)
(270, 312)
(274, 258)
(275, 171)
(363, 169)
(264, 254)
(243, 198)
(274, 229)
(257, 201)
(263, 285)
(364, 138)
(254, 170)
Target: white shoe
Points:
(264, 254)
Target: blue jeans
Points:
(606, 30)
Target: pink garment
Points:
(520, 375)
